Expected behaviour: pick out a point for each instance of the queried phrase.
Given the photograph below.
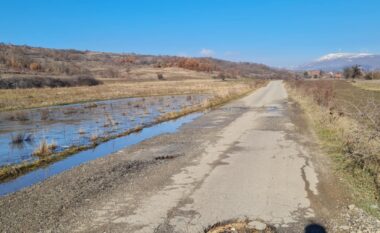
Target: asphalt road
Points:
(253, 158)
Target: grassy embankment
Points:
(344, 119)
(222, 93)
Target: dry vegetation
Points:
(45, 149)
(27, 67)
(40, 82)
(368, 85)
(113, 89)
(15, 60)
(58, 74)
(347, 121)
(222, 92)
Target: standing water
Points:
(21, 132)
(101, 150)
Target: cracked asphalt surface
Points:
(252, 158)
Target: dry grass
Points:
(344, 138)
(113, 89)
(373, 85)
(45, 149)
(94, 138)
(223, 92)
(81, 131)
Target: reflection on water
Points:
(101, 150)
(22, 131)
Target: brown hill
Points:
(25, 60)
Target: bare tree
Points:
(352, 72)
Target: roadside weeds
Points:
(337, 134)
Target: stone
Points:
(351, 207)
(260, 226)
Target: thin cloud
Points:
(231, 54)
(183, 55)
(207, 52)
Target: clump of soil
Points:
(240, 226)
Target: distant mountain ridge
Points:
(339, 61)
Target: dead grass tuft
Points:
(45, 149)
(18, 138)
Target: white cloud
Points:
(332, 56)
(207, 52)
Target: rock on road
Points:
(251, 158)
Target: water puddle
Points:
(101, 150)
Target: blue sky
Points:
(279, 33)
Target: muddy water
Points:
(76, 124)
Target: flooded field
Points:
(103, 149)
(23, 134)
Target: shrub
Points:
(35, 66)
(40, 82)
(18, 138)
(85, 80)
(160, 76)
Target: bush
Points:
(160, 76)
(85, 80)
(35, 66)
(40, 82)
(372, 75)
(352, 72)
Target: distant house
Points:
(338, 75)
(314, 73)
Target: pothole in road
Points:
(240, 226)
(254, 226)
(167, 157)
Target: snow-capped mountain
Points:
(338, 61)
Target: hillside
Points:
(26, 60)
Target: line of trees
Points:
(355, 72)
